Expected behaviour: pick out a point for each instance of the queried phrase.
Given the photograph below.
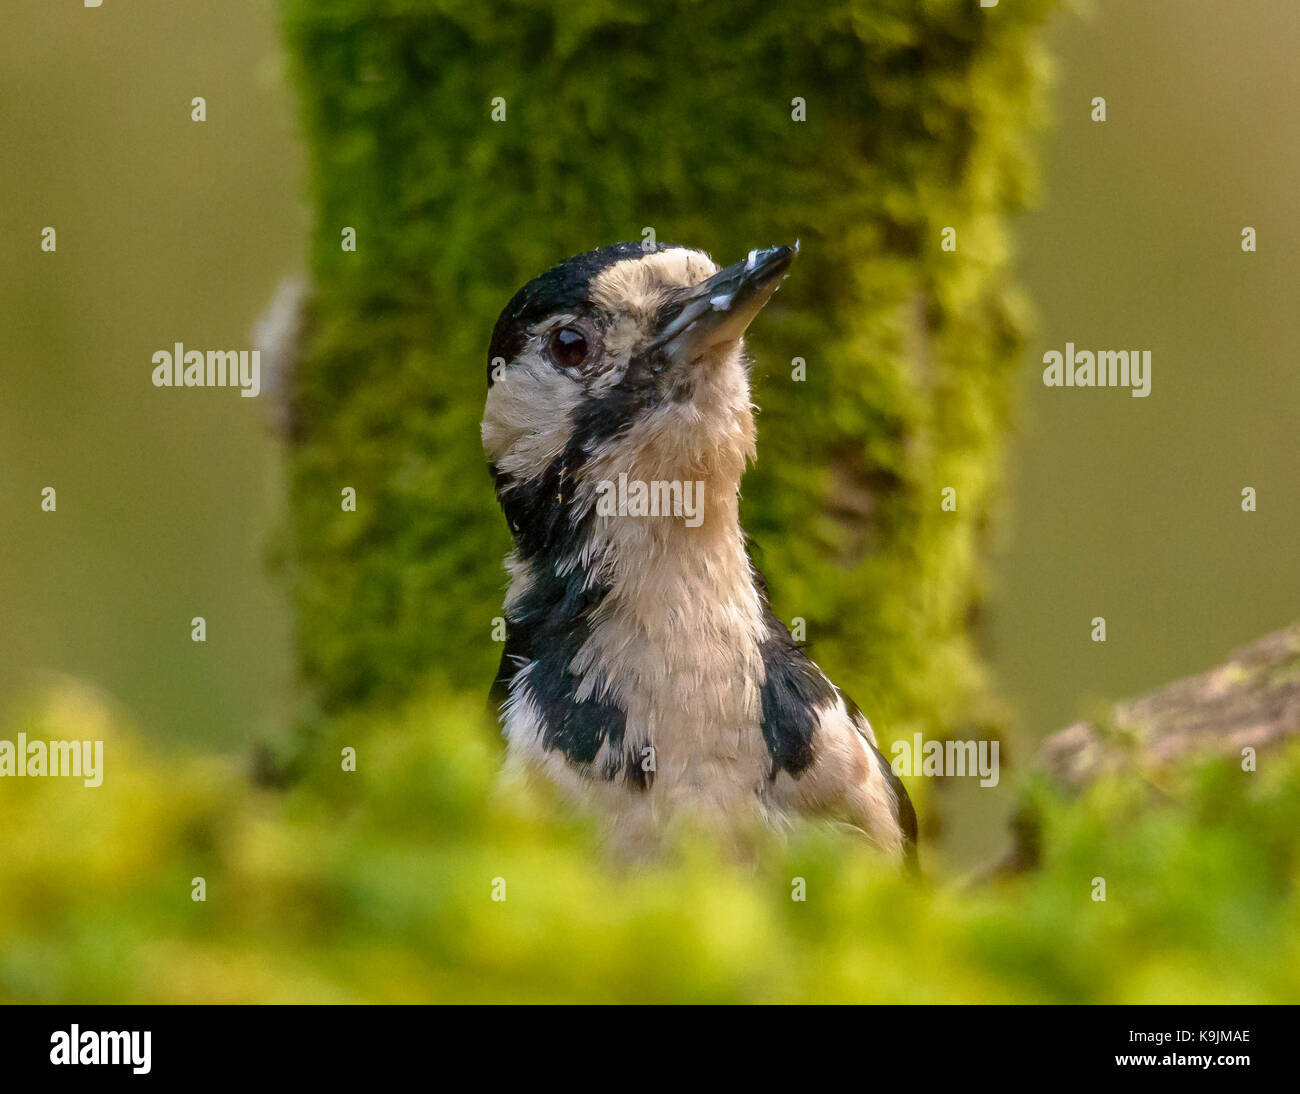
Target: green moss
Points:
(674, 115)
(377, 886)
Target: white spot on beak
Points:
(751, 260)
(722, 302)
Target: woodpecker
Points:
(643, 668)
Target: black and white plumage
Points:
(643, 668)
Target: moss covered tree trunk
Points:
(682, 119)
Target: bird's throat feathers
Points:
(627, 622)
(641, 529)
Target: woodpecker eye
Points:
(568, 348)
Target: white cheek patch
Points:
(528, 418)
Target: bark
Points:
(1251, 700)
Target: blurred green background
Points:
(168, 231)
(170, 504)
(1131, 508)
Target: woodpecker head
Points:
(622, 362)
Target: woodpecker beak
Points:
(718, 311)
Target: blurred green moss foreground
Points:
(378, 885)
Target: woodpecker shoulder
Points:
(793, 693)
(905, 811)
